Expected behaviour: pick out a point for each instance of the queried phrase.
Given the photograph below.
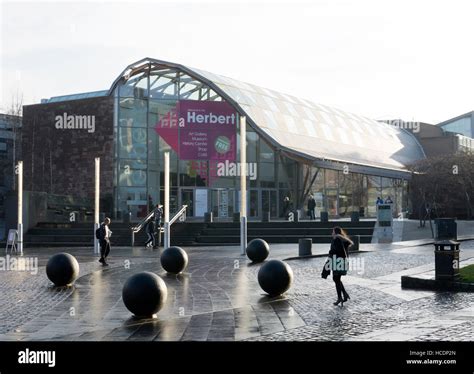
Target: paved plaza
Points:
(218, 298)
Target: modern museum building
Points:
(295, 148)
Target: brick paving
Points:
(218, 298)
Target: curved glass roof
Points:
(305, 128)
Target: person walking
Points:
(157, 216)
(338, 260)
(104, 240)
(150, 231)
(286, 207)
(311, 207)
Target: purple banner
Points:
(207, 130)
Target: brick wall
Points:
(61, 161)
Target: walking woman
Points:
(339, 264)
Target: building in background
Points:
(10, 148)
(448, 137)
(295, 148)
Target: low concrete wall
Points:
(435, 285)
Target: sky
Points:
(381, 59)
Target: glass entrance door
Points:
(187, 198)
(270, 202)
(222, 203)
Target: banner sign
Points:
(201, 130)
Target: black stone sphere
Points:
(174, 260)
(62, 269)
(258, 250)
(144, 294)
(275, 277)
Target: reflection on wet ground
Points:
(218, 298)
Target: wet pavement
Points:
(218, 299)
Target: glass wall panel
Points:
(137, 86)
(164, 85)
(461, 126)
(133, 200)
(360, 194)
(132, 112)
(345, 194)
(133, 143)
(132, 173)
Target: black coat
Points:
(338, 251)
(338, 247)
(311, 204)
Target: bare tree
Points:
(445, 183)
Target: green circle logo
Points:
(222, 144)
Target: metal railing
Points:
(180, 214)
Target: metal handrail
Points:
(138, 227)
(178, 214)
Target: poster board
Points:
(12, 238)
(200, 202)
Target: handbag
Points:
(325, 273)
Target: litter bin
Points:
(324, 217)
(446, 260)
(305, 247)
(445, 228)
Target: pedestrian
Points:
(150, 231)
(379, 201)
(157, 216)
(338, 260)
(104, 235)
(286, 207)
(388, 200)
(311, 207)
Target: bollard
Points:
(305, 247)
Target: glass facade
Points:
(150, 99)
(461, 126)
